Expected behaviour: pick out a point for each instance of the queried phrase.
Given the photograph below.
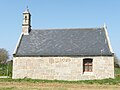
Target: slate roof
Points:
(61, 42)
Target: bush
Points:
(6, 69)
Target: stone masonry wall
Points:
(62, 68)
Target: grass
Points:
(35, 84)
(110, 81)
(117, 71)
(54, 86)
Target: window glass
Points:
(87, 65)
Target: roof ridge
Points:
(68, 28)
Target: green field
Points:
(117, 71)
(31, 84)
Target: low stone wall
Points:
(62, 68)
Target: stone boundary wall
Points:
(62, 68)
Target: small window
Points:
(87, 65)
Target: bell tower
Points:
(26, 26)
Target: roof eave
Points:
(18, 43)
(112, 54)
(108, 39)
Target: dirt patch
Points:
(54, 86)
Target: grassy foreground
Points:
(32, 84)
(54, 86)
(115, 81)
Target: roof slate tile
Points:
(64, 42)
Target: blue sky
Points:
(59, 14)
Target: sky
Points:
(59, 14)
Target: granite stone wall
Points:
(62, 68)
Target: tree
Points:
(116, 62)
(4, 56)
